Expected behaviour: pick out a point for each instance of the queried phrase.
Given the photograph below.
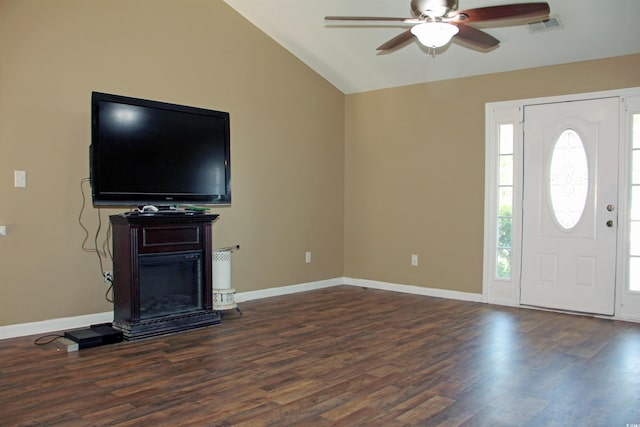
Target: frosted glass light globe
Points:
(434, 34)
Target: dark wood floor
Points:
(340, 356)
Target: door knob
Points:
(610, 223)
(610, 207)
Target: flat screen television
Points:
(147, 152)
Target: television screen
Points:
(154, 153)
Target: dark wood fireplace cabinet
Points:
(162, 280)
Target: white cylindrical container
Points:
(222, 269)
(223, 293)
(224, 299)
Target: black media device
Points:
(155, 153)
(94, 336)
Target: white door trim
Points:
(507, 291)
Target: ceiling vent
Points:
(553, 23)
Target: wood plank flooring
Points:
(342, 356)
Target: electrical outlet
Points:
(3, 230)
(414, 260)
(307, 257)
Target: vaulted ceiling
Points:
(346, 54)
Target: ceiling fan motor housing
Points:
(433, 8)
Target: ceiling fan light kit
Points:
(434, 34)
(436, 22)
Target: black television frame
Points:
(162, 199)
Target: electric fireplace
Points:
(170, 283)
(162, 273)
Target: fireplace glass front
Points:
(170, 283)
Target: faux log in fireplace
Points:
(162, 279)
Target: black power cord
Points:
(106, 250)
(47, 339)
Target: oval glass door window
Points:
(568, 179)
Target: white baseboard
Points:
(285, 290)
(53, 325)
(67, 323)
(416, 290)
(628, 318)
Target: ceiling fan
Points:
(436, 22)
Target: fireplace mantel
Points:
(162, 280)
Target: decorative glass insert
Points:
(634, 238)
(568, 179)
(505, 201)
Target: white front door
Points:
(570, 187)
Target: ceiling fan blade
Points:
(507, 11)
(476, 37)
(398, 40)
(373, 18)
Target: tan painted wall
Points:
(287, 128)
(415, 169)
(409, 161)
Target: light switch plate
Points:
(20, 179)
